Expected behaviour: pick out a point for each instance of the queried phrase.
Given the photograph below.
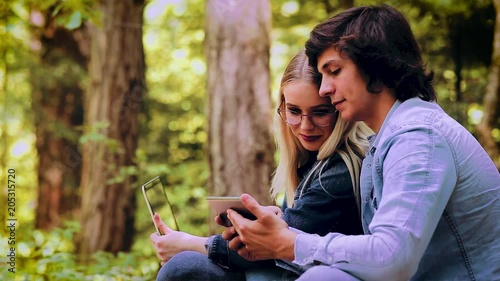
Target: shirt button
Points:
(369, 165)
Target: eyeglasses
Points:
(320, 118)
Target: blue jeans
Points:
(193, 266)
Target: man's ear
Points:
(378, 86)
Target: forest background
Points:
(98, 97)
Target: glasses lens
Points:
(321, 119)
(291, 117)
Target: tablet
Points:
(157, 202)
(221, 203)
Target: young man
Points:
(430, 193)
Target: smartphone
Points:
(156, 199)
(221, 203)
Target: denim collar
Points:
(375, 138)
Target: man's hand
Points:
(267, 237)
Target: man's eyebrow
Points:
(329, 63)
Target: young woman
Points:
(318, 170)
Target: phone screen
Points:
(157, 202)
(222, 203)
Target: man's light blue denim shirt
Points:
(430, 205)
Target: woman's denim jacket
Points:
(327, 204)
(430, 205)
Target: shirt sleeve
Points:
(220, 253)
(419, 175)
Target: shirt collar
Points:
(374, 139)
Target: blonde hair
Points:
(349, 140)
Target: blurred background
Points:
(98, 97)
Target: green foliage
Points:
(68, 13)
(456, 39)
(16, 124)
(50, 255)
(173, 135)
(174, 110)
(74, 21)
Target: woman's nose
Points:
(306, 123)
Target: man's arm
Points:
(419, 176)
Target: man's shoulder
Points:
(416, 113)
(416, 110)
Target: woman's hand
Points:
(169, 244)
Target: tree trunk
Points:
(490, 99)
(455, 27)
(343, 5)
(112, 105)
(240, 144)
(346, 4)
(57, 106)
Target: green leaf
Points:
(56, 10)
(75, 20)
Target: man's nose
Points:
(326, 89)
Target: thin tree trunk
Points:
(342, 5)
(112, 105)
(490, 99)
(346, 4)
(240, 143)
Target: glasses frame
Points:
(279, 111)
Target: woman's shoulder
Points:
(333, 176)
(334, 164)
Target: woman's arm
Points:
(174, 242)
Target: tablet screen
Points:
(157, 201)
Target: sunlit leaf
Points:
(75, 20)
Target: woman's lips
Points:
(309, 138)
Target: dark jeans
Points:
(193, 266)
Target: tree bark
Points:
(57, 106)
(342, 5)
(346, 4)
(112, 105)
(490, 99)
(240, 144)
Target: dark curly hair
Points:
(379, 40)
